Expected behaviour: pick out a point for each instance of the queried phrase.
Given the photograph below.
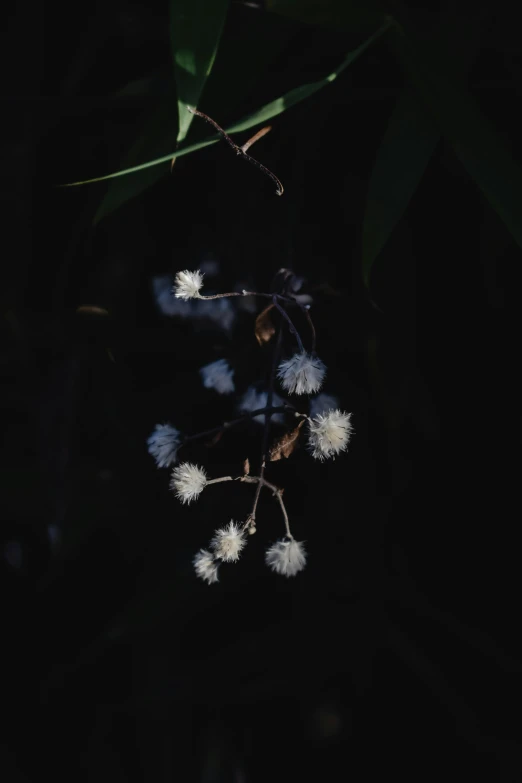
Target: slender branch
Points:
(238, 150)
(266, 431)
(218, 480)
(290, 323)
(235, 293)
(312, 327)
(286, 408)
(277, 493)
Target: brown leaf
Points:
(215, 439)
(265, 329)
(287, 444)
(256, 137)
(246, 467)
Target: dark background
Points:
(397, 650)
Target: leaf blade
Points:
(406, 148)
(196, 27)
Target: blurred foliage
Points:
(398, 141)
(434, 100)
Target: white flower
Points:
(302, 374)
(206, 566)
(329, 434)
(164, 444)
(228, 542)
(286, 557)
(322, 404)
(187, 284)
(253, 400)
(219, 376)
(188, 481)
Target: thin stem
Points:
(227, 424)
(235, 293)
(239, 150)
(276, 491)
(290, 323)
(266, 431)
(312, 327)
(217, 480)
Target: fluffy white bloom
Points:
(329, 434)
(164, 444)
(188, 481)
(228, 542)
(253, 400)
(206, 566)
(322, 404)
(187, 284)
(302, 374)
(219, 376)
(286, 557)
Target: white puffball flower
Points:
(206, 566)
(322, 404)
(254, 400)
(286, 557)
(187, 284)
(329, 434)
(228, 542)
(164, 444)
(219, 376)
(302, 374)
(188, 481)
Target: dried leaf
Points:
(246, 467)
(256, 137)
(265, 329)
(215, 439)
(287, 444)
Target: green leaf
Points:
(475, 142)
(403, 155)
(263, 114)
(196, 27)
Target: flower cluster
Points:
(326, 427)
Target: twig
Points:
(238, 150)
(290, 324)
(286, 408)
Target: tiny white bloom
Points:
(164, 444)
(228, 542)
(165, 300)
(322, 404)
(187, 284)
(206, 566)
(329, 434)
(253, 400)
(219, 376)
(302, 374)
(286, 557)
(188, 481)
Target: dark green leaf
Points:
(475, 142)
(403, 155)
(263, 114)
(196, 27)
